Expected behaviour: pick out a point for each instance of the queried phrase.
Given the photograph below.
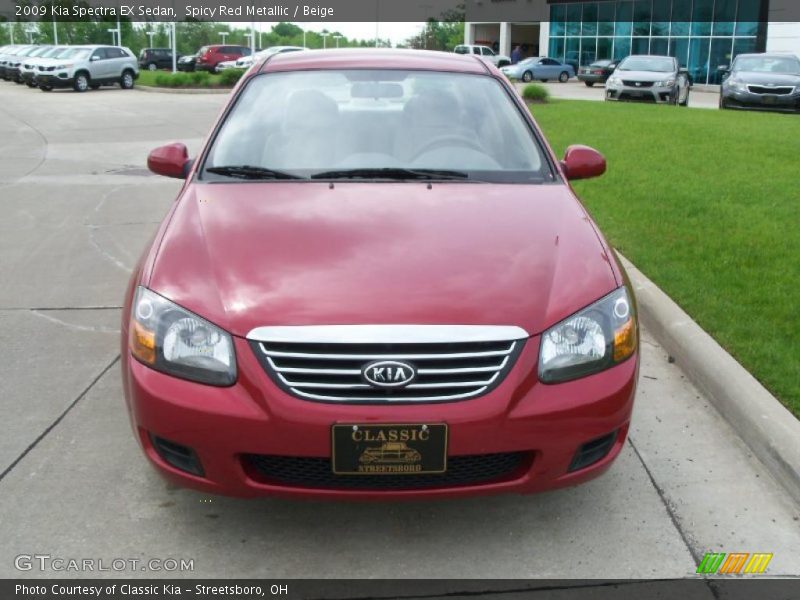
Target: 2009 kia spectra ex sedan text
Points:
(376, 282)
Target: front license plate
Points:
(389, 449)
(769, 99)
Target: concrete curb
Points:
(765, 425)
(161, 90)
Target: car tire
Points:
(152, 67)
(31, 84)
(545, 80)
(722, 104)
(94, 86)
(46, 88)
(215, 69)
(126, 82)
(527, 76)
(564, 77)
(685, 102)
(81, 83)
(589, 83)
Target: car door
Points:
(487, 54)
(100, 67)
(118, 59)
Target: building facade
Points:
(702, 34)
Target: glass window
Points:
(681, 16)
(605, 46)
(640, 45)
(557, 48)
(679, 48)
(698, 60)
(588, 51)
(642, 16)
(589, 19)
(747, 17)
(721, 54)
(573, 19)
(307, 124)
(702, 13)
(743, 46)
(659, 46)
(605, 17)
(558, 16)
(724, 17)
(624, 18)
(572, 57)
(622, 47)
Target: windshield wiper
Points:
(391, 173)
(252, 172)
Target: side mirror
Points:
(582, 162)
(612, 66)
(723, 68)
(683, 70)
(170, 161)
(94, 58)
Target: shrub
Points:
(200, 78)
(230, 76)
(171, 79)
(533, 92)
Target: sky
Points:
(397, 32)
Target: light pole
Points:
(150, 35)
(337, 38)
(324, 40)
(55, 31)
(223, 34)
(304, 38)
(30, 31)
(252, 38)
(11, 32)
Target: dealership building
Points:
(702, 34)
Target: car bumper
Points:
(592, 78)
(56, 81)
(747, 100)
(28, 76)
(226, 427)
(12, 73)
(657, 95)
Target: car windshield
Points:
(53, 52)
(376, 124)
(77, 53)
(461, 50)
(647, 63)
(768, 64)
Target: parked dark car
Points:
(597, 72)
(762, 82)
(187, 63)
(209, 57)
(153, 59)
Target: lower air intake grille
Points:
(296, 471)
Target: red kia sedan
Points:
(377, 283)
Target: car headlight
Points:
(594, 339)
(173, 340)
(736, 84)
(614, 81)
(665, 83)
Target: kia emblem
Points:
(389, 373)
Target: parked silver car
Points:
(89, 67)
(762, 82)
(29, 66)
(648, 78)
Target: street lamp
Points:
(30, 31)
(223, 34)
(150, 35)
(324, 40)
(337, 38)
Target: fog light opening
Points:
(592, 452)
(179, 456)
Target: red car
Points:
(378, 249)
(209, 57)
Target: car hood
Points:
(290, 253)
(644, 75)
(767, 78)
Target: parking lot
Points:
(77, 207)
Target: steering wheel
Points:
(450, 139)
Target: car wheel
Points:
(527, 76)
(81, 82)
(685, 102)
(31, 84)
(215, 69)
(46, 88)
(152, 67)
(564, 77)
(589, 83)
(545, 80)
(126, 82)
(722, 104)
(94, 86)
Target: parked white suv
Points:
(88, 67)
(486, 53)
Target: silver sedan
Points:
(540, 68)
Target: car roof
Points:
(361, 58)
(769, 55)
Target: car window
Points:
(487, 52)
(768, 64)
(100, 53)
(311, 122)
(647, 63)
(461, 50)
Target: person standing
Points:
(516, 55)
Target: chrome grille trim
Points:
(314, 364)
(777, 90)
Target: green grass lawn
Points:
(707, 204)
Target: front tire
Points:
(589, 83)
(126, 82)
(81, 83)
(152, 67)
(564, 77)
(527, 76)
(46, 88)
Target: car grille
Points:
(445, 371)
(641, 84)
(46, 68)
(305, 472)
(778, 91)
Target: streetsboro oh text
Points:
(150, 591)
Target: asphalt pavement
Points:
(78, 206)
